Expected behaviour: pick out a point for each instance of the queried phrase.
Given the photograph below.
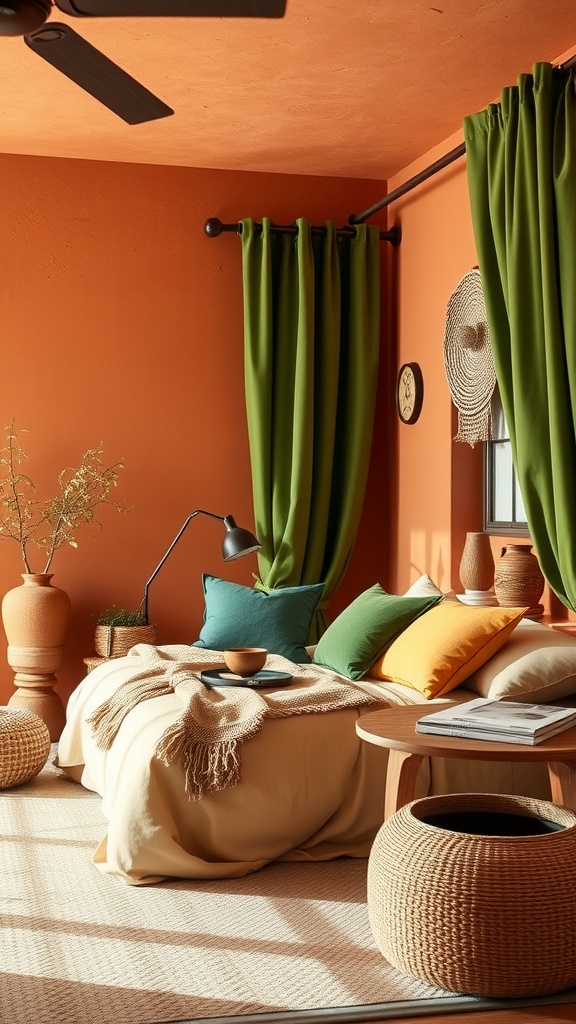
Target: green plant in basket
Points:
(120, 617)
(119, 629)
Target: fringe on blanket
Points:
(156, 679)
(209, 763)
(108, 717)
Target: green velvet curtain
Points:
(312, 336)
(521, 159)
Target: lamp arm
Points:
(198, 512)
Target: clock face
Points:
(409, 392)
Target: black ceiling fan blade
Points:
(173, 8)
(66, 51)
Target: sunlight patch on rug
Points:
(78, 946)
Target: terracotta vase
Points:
(518, 579)
(476, 569)
(35, 617)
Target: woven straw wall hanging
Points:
(468, 360)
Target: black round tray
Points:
(223, 677)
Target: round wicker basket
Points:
(116, 641)
(24, 746)
(487, 915)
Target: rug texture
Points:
(78, 947)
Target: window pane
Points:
(499, 427)
(520, 510)
(503, 481)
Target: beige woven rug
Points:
(78, 947)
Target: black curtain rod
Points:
(428, 172)
(214, 227)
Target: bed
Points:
(295, 783)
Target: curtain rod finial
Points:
(395, 235)
(213, 227)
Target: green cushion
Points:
(363, 631)
(279, 620)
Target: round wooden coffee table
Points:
(394, 728)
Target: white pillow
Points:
(423, 587)
(535, 664)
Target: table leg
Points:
(401, 777)
(562, 775)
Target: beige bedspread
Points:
(308, 788)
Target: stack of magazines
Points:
(499, 721)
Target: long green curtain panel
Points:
(312, 337)
(521, 160)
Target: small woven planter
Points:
(116, 641)
(483, 914)
(24, 746)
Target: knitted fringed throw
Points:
(206, 737)
(108, 717)
(144, 685)
(206, 742)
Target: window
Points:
(503, 506)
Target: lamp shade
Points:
(237, 541)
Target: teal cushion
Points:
(366, 628)
(279, 620)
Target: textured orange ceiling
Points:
(355, 88)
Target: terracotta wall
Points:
(437, 250)
(122, 325)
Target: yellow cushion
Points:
(442, 648)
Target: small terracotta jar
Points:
(518, 579)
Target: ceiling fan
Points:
(69, 53)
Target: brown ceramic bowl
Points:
(245, 661)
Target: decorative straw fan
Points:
(468, 360)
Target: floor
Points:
(555, 1014)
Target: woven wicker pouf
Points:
(472, 912)
(24, 746)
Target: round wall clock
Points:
(409, 392)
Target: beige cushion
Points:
(425, 587)
(422, 587)
(535, 664)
